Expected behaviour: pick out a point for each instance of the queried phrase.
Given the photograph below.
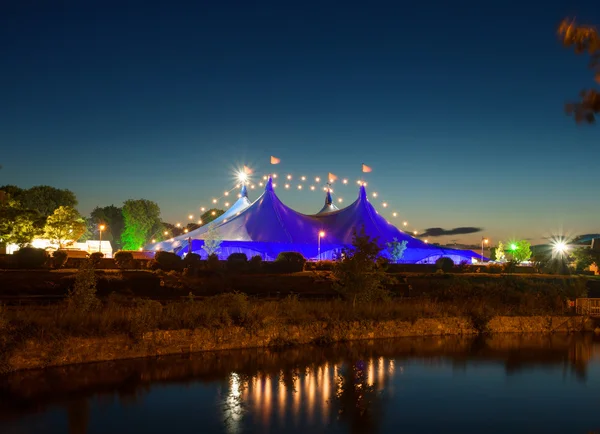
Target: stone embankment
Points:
(34, 354)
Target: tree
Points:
(12, 191)
(396, 249)
(584, 258)
(64, 226)
(45, 199)
(18, 225)
(141, 219)
(211, 215)
(500, 255)
(584, 39)
(520, 251)
(112, 217)
(360, 275)
(212, 242)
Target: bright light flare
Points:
(345, 181)
(191, 216)
(559, 247)
(289, 177)
(101, 227)
(242, 177)
(321, 234)
(312, 187)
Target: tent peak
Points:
(269, 184)
(362, 192)
(244, 191)
(328, 199)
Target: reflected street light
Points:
(321, 235)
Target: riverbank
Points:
(42, 353)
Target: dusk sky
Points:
(457, 106)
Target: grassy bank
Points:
(260, 322)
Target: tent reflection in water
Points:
(268, 227)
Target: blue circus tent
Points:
(268, 227)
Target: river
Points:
(498, 384)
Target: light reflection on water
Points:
(500, 384)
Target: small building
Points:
(89, 246)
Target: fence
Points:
(588, 306)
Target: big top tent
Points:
(268, 227)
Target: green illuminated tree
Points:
(45, 199)
(584, 39)
(64, 226)
(141, 219)
(520, 250)
(396, 249)
(500, 255)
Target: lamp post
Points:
(100, 229)
(321, 235)
(483, 240)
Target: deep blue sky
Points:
(457, 106)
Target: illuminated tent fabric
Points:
(329, 205)
(268, 227)
(240, 205)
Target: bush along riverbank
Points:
(82, 328)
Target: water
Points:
(500, 384)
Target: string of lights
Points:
(291, 181)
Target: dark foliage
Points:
(168, 261)
(124, 259)
(445, 264)
(237, 262)
(95, 258)
(59, 258)
(289, 262)
(30, 257)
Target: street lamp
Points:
(100, 228)
(483, 241)
(321, 235)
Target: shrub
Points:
(82, 297)
(124, 259)
(168, 261)
(192, 261)
(212, 262)
(289, 262)
(255, 263)
(95, 258)
(30, 257)
(237, 262)
(324, 265)
(59, 258)
(445, 264)
(361, 276)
